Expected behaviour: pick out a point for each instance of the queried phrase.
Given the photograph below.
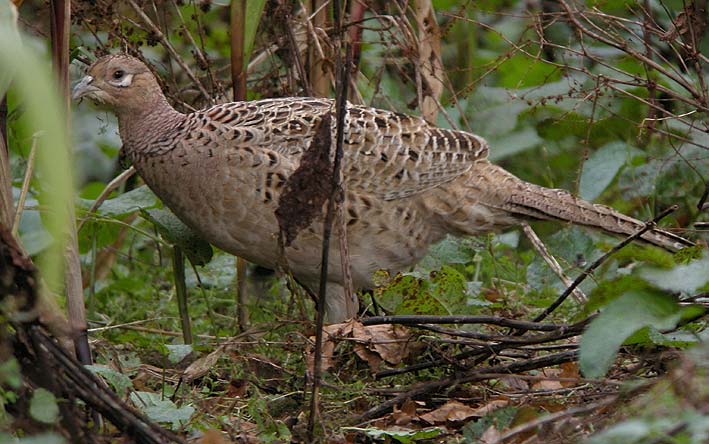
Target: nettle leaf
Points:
(162, 410)
(450, 250)
(601, 168)
(621, 318)
(42, 438)
(400, 435)
(120, 382)
(685, 278)
(219, 273)
(177, 233)
(43, 406)
(177, 352)
(124, 204)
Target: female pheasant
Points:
(407, 184)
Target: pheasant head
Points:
(122, 84)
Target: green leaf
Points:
(450, 250)
(177, 233)
(254, 11)
(601, 168)
(124, 204)
(686, 278)
(162, 410)
(120, 382)
(43, 406)
(621, 318)
(400, 435)
(177, 352)
(10, 373)
(42, 438)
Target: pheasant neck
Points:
(140, 129)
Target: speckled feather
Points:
(408, 184)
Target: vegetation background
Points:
(607, 99)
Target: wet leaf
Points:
(197, 250)
(618, 321)
(43, 406)
(162, 410)
(600, 169)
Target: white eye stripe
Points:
(124, 82)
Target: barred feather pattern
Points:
(407, 184)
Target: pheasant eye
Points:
(118, 74)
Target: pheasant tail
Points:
(527, 200)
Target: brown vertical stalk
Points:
(238, 78)
(238, 23)
(342, 86)
(357, 10)
(60, 21)
(7, 210)
(319, 80)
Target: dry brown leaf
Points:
(490, 436)
(201, 366)
(212, 436)
(331, 333)
(390, 342)
(548, 384)
(450, 411)
(515, 383)
(490, 407)
(404, 415)
(569, 370)
(373, 359)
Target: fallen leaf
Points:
(390, 342)
(569, 370)
(548, 384)
(404, 415)
(490, 436)
(450, 411)
(490, 407)
(212, 436)
(203, 365)
(330, 335)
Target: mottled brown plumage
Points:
(407, 184)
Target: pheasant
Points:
(406, 184)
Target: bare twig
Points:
(112, 185)
(551, 261)
(479, 374)
(25, 185)
(335, 193)
(553, 417)
(458, 319)
(597, 263)
(168, 46)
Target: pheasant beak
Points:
(84, 88)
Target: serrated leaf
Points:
(601, 168)
(450, 250)
(43, 406)
(120, 382)
(177, 352)
(42, 438)
(686, 278)
(124, 204)
(162, 410)
(177, 233)
(619, 320)
(403, 436)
